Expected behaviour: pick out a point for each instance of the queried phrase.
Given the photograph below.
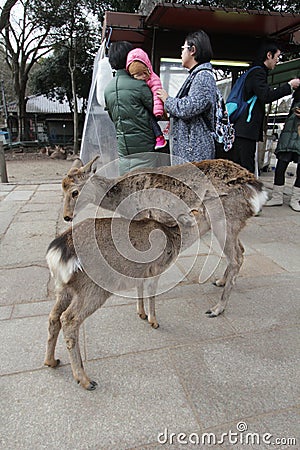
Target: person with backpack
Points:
(192, 111)
(255, 89)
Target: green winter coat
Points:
(129, 103)
(289, 140)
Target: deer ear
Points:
(75, 166)
(78, 170)
(87, 168)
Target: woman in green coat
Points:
(129, 103)
(288, 150)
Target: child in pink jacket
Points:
(139, 66)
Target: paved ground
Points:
(193, 375)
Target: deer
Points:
(59, 153)
(56, 153)
(191, 199)
(221, 194)
(87, 266)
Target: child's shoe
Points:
(160, 142)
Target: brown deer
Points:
(221, 194)
(59, 153)
(87, 267)
(55, 153)
(217, 195)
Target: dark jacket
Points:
(129, 103)
(289, 140)
(257, 84)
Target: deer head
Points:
(73, 183)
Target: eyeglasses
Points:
(185, 46)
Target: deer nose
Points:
(68, 219)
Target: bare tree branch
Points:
(5, 13)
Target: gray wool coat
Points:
(192, 117)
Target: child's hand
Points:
(164, 117)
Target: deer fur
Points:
(195, 183)
(57, 153)
(74, 262)
(219, 193)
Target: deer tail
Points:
(62, 259)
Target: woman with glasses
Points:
(192, 110)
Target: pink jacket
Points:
(154, 83)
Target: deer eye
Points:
(75, 194)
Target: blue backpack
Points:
(235, 103)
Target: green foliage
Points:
(270, 5)
(55, 13)
(77, 40)
(99, 8)
(52, 78)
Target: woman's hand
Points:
(162, 94)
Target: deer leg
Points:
(62, 302)
(151, 312)
(71, 320)
(140, 302)
(222, 281)
(234, 254)
(150, 285)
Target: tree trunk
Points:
(72, 65)
(23, 129)
(75, 115)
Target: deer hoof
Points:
(92, 386)
(53, 364)
(211, 314)
(219, 283)
(154, 325)
(143, 316)
(215, 312)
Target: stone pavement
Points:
(191, 376)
